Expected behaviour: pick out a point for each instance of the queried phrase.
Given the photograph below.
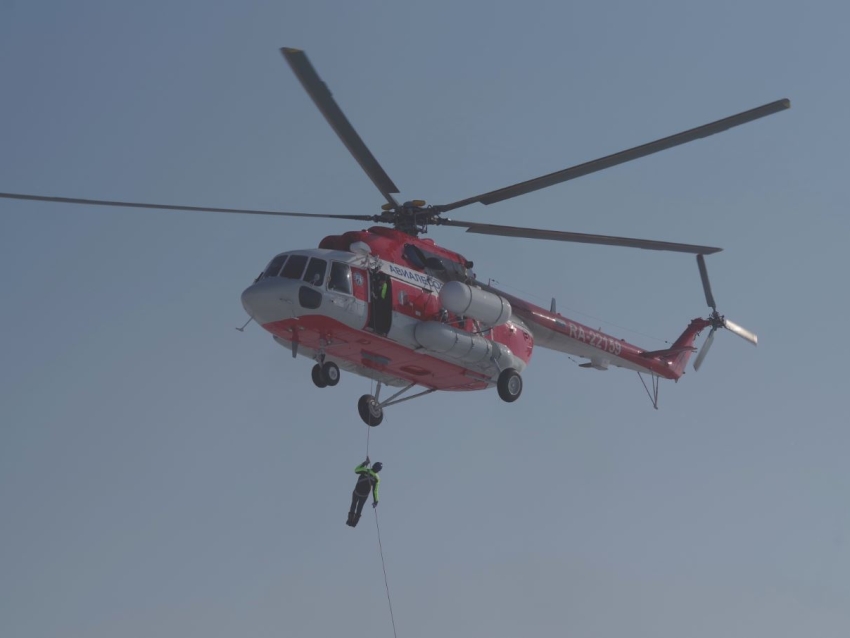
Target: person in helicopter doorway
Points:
(367, 479)
(381, 313)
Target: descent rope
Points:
(380, 546)
(383, 566)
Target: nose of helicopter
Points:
(271, 299)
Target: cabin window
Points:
(316, 270)
(275, 266)
(309, 298)
(294, 267)
(414, 256)
(340, 280)
(436, 265)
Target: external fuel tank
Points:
(462, 346)
(468, 301)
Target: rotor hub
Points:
(717, 320)
(412, 217)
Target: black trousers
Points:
(357, 502)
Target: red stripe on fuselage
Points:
(369, 350)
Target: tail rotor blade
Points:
(706, 284)
(716, 320)
(741, 332)
(706, 346)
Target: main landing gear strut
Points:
(371, 408)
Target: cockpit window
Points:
(316, 270)
(275, 265)
(340, 280)
(294, 267)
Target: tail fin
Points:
(680, 352)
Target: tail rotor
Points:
(705, 348)
(716, 320)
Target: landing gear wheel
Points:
(319, 377)
(370, 410)
(509, 385)
(330, 372)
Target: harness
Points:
(364, 481)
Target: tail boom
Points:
(555, 332)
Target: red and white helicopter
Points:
(390, 305)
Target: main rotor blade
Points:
(705, 348)
(706, 285)
(323, 99)
(205, 209)
(608, 161)
(741, 331)
(557, 235)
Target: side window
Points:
(294, 267)
(316, 270)
(274, 266)
(340, 280)
(414, 256)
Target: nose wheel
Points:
(325, 374)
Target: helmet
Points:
(377, 467)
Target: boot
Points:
(355, 520)
(350, 519)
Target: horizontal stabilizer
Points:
(668, 353)
(596, 364)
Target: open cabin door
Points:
(380, 302)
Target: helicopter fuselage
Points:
(375, 303)
(376, 314)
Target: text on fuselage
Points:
(415, 278)
(594, 339)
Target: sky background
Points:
(162, 474)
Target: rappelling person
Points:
(367, 479)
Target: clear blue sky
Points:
(162, 474)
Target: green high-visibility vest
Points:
(363, 469)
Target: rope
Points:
(380, 546)
(368, 428)
(383, 566)
(368, 431)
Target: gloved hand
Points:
(374, 504)
(367, 459)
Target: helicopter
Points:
(391, 305)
